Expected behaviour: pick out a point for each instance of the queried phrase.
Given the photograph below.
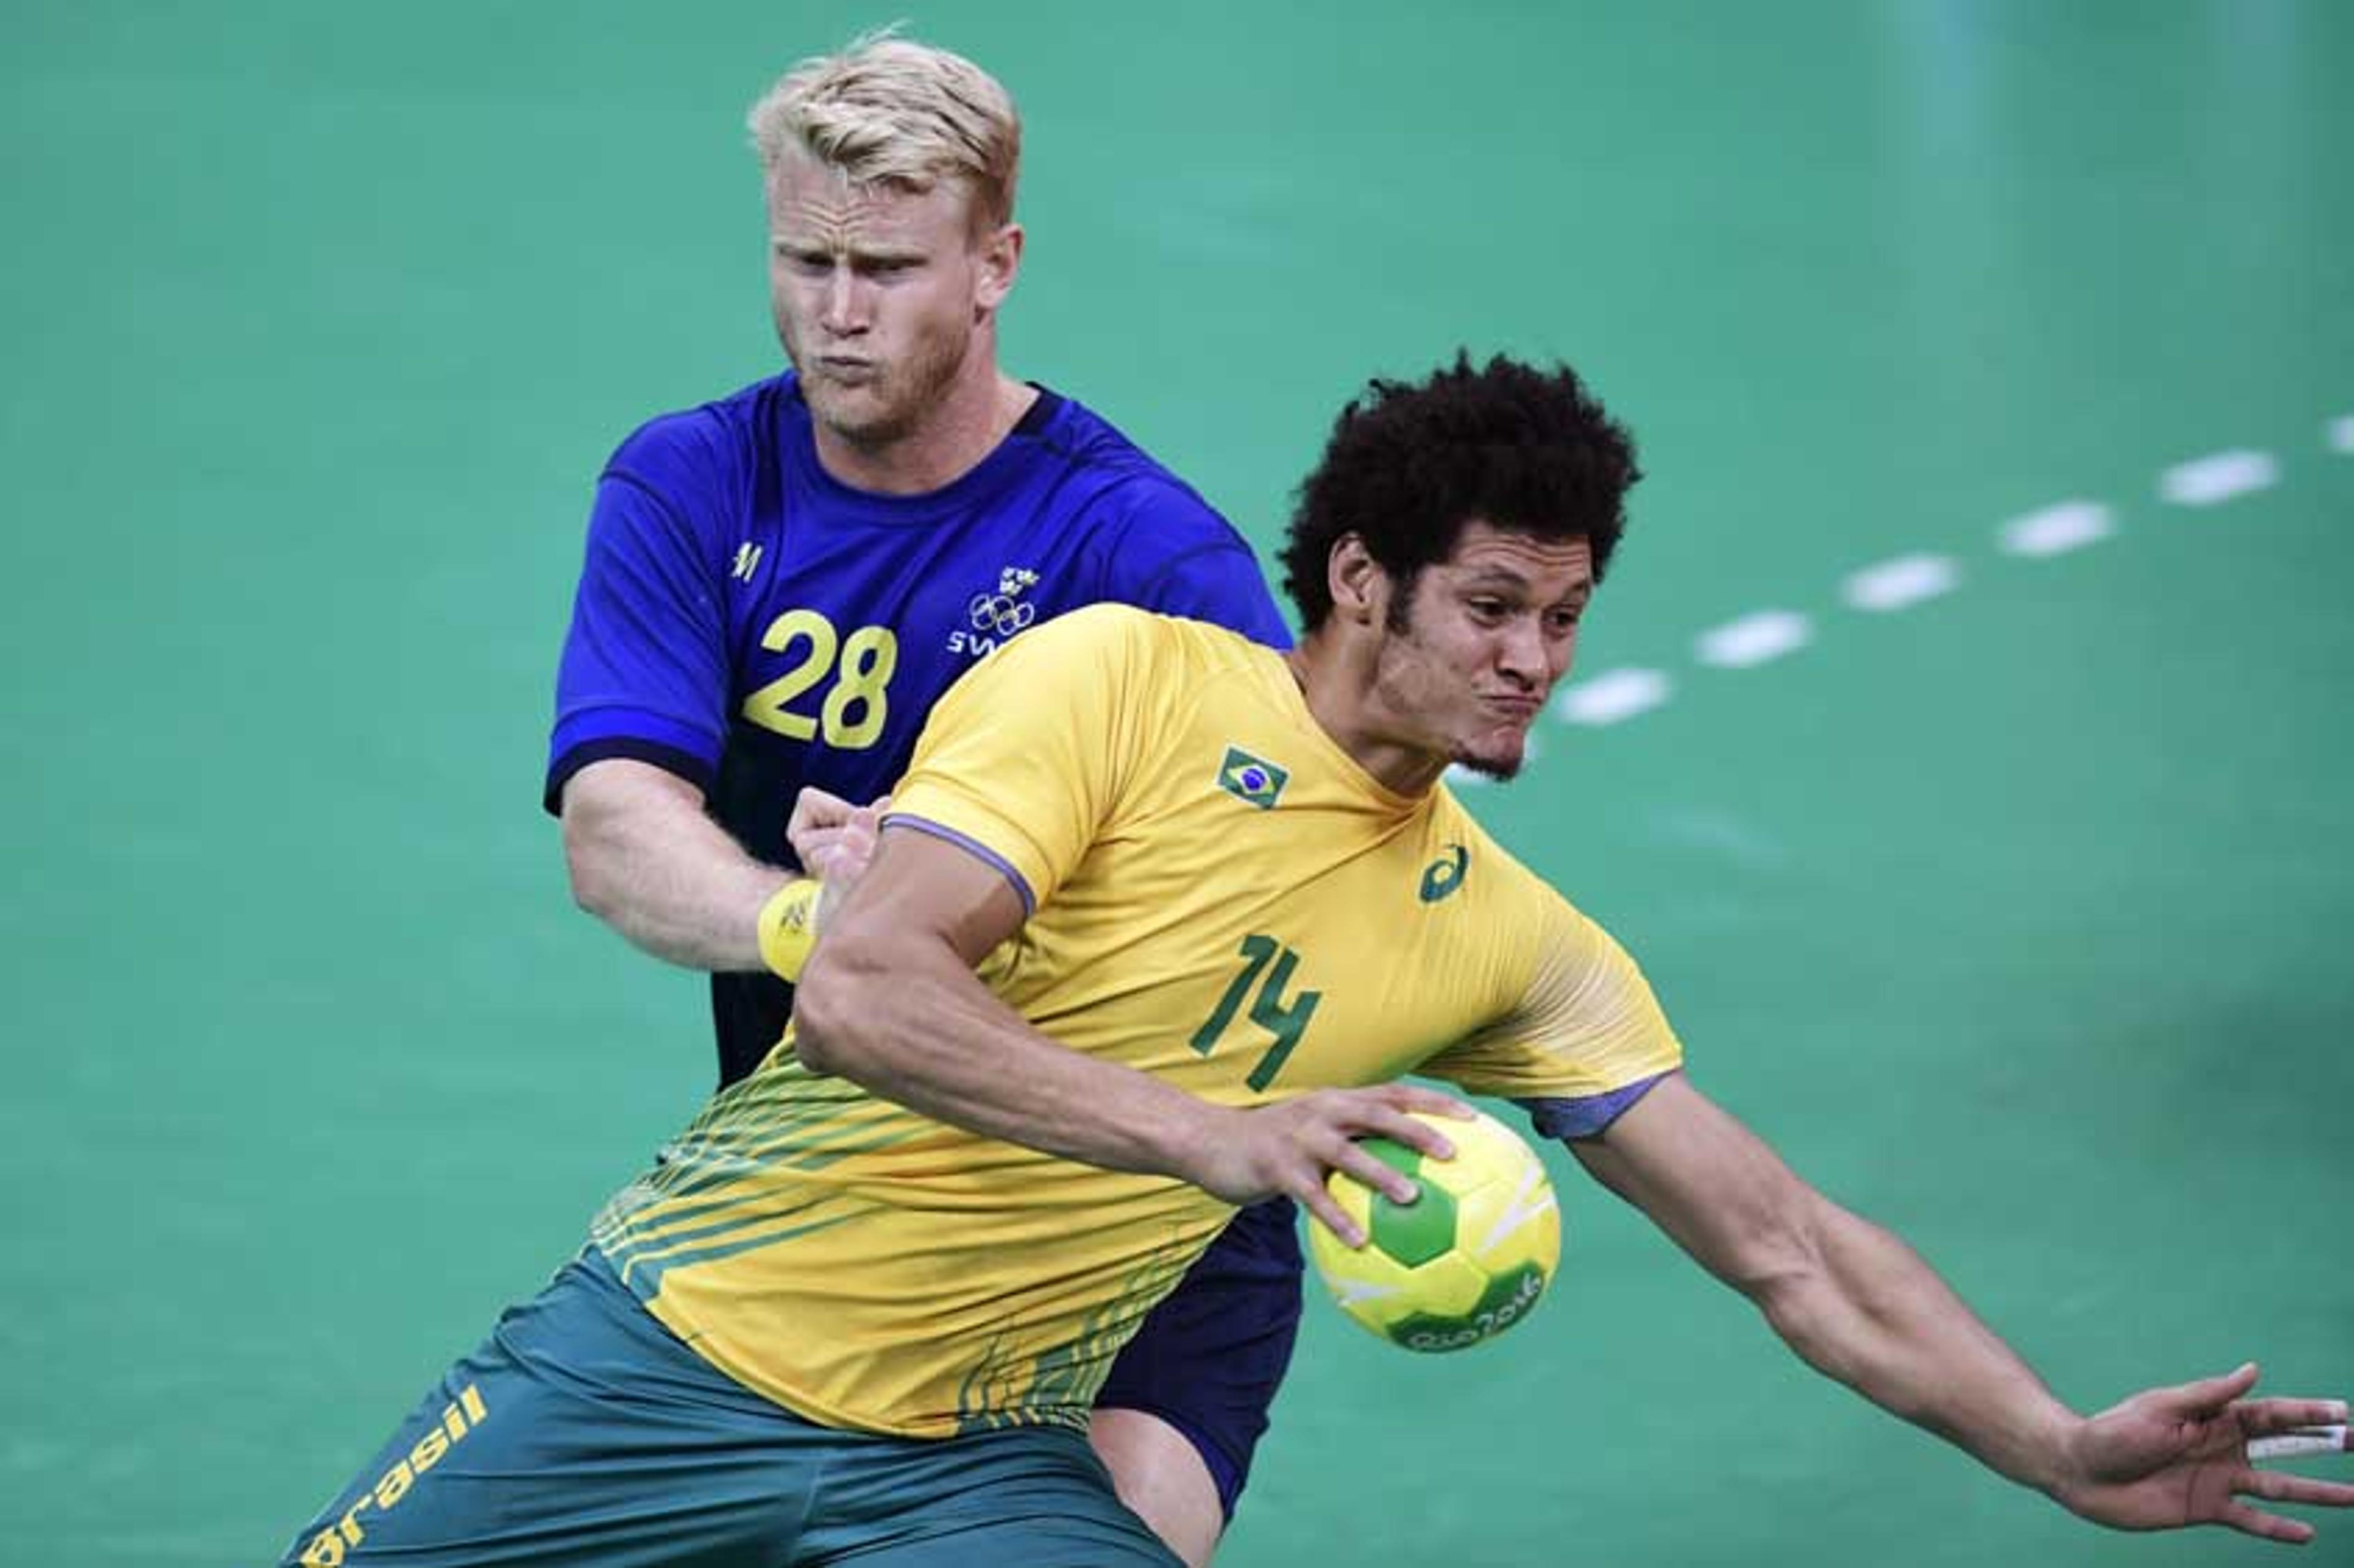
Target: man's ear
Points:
(999, 255)
(1359, 589)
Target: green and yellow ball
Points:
(1469, 1257)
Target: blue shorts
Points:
(583, 1431)
(1209, 1359)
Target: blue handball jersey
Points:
(749, 623)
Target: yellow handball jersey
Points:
(1220, 897)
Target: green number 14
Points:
(1286, 1020)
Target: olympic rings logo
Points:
(1000, 614)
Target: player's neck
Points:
(967, 424)
(1336, 680)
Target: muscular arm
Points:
(890, 1001)
(1859, 1304)
(1849, 1297)
(648, 860)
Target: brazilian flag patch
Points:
(1246, 777)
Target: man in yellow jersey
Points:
(1156, 917)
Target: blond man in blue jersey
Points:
(1150, 932)
(779, 583)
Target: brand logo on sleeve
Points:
(1251, 779)
(1445, 875)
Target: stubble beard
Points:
(1503, 769)
(1398, 620)
(894, 404)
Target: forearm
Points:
(646, 859)
(1863, 1308)
(1851, 1299)
(911, 1023)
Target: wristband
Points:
(789, 928)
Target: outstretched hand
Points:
(834, 841)
(1287, 1148)
(2173, 1457)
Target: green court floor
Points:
(2016, 914)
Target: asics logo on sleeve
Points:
(1445, 875)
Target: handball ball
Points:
(1465, 1260)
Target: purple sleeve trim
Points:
(973, 846)
(1587, 1116)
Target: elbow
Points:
(1810, 1295)
(592, 862)
(1784, 1264)
(1790, 1304)
(594, 888)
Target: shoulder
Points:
(1109, 635)
(1505, 885)
(1124, 486)
(714, 443)
(1092, 629)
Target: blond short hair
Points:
(888, 111)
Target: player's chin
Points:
(864, 413)
(1497, 755)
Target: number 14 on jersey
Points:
(1287, 1021)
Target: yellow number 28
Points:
(857, 703)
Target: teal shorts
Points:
(583, 1431)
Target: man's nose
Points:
(847, 304)
(1523, 653)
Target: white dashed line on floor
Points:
(2210, 481)
(2341, 433)
(1753, 639)
(2055, 530)
(1612, 697)
(1901, 583)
